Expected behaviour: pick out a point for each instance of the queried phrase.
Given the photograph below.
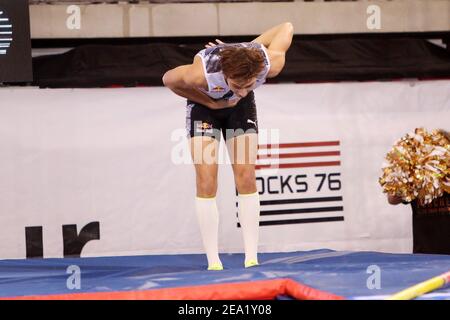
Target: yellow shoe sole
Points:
(215, 267)
(251, 263)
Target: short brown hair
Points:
(241, 63)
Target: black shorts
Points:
(231, 122)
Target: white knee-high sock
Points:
(208, 218)
(248, 214)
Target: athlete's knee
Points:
(245, 181)
(206, 186)
(245, 174)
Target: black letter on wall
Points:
(74, 243)
(33, 240)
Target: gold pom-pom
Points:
(418, 167)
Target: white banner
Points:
(106, 171)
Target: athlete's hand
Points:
(212, 44)
(393, 199)
(223, 104)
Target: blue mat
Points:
(341, 273)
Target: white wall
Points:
(73, 156)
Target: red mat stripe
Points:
(254, 290)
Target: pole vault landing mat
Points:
(318, 274)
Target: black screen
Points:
(15, 44)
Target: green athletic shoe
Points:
(215, 267)
(251, 263)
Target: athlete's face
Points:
(241, 87)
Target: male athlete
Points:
(219, 86)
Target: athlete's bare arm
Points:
(186, 80)
(277, 40)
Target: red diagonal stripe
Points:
(298, 165)
(299, 144)
(299, 155)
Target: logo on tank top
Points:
(218, 89)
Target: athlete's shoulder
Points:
(195, 75)
(277, 61)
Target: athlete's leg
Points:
(204, 144)
(242, 144)
(243, 153)
(204, 152)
